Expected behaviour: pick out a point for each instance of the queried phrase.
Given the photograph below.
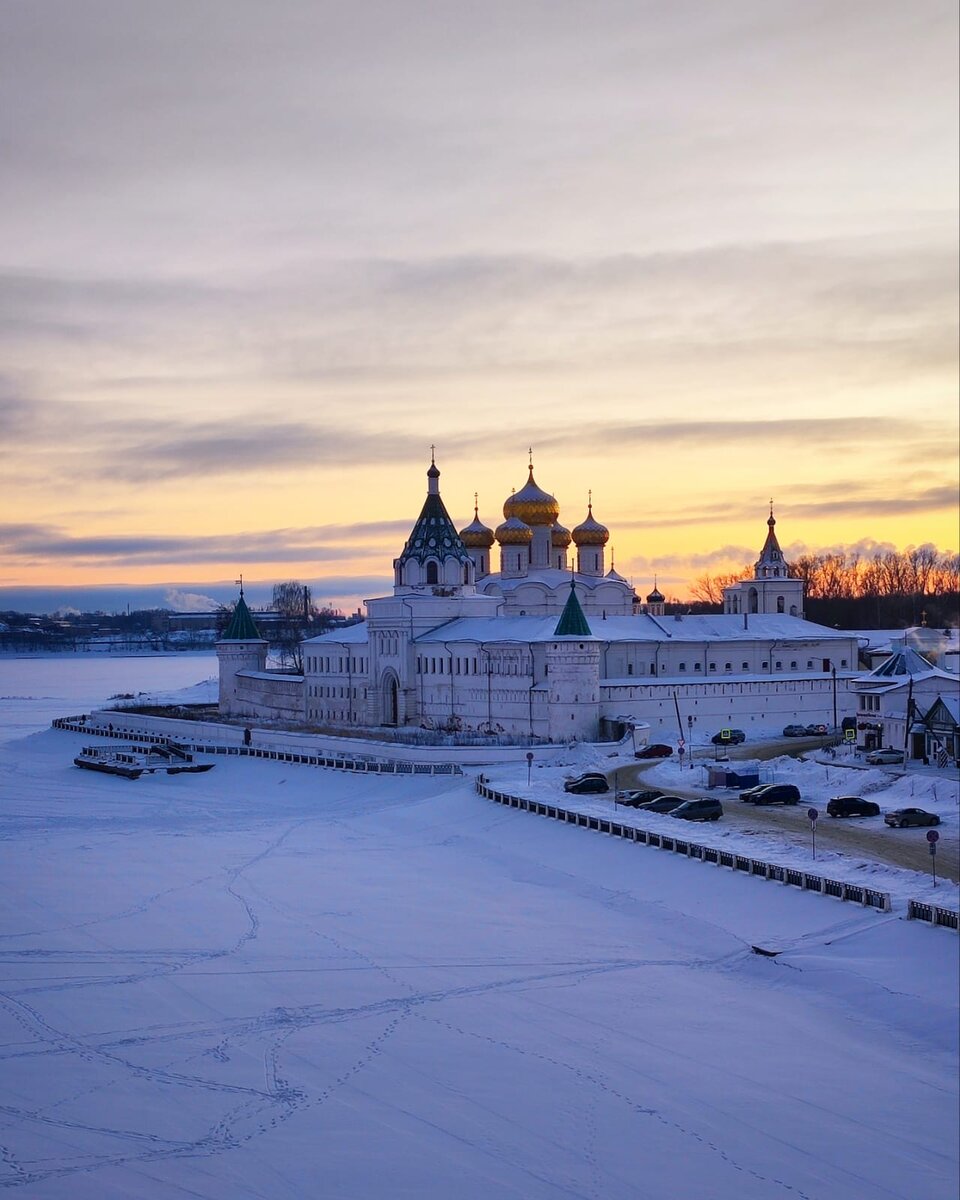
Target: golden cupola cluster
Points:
(590, 532)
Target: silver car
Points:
(879, 758)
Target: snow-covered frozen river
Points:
(273, 981)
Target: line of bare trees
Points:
(888, 589)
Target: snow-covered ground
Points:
(282, 982)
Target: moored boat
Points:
(130, 762)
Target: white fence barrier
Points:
(920, 910)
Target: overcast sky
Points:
(256, 258)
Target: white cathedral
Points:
(553, 646)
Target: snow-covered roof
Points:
(347, 635)
(951, 704)
(710, 627)
(903, 661)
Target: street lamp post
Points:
(690, 738)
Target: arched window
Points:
(780, 604)
(432, 573)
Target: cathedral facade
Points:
(553, 645)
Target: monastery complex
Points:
(553, 645)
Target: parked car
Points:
(794, 731)
(707, 809)
(901, 817)
(657, 750)
(635, 798)
(815, 730)
(877, 758)
(775, 793)
(750, 792)
(852, 806)
(590, 782)
(663, 804)
(729, 737)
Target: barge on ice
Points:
(131, 762)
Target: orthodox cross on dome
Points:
(476, 504)
(530, 457)
(239, 582)
(433, 455)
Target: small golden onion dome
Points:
(590, 532)
(559, 536)
(513, 532)
(532, 504)
(656, 596)
(476, 535)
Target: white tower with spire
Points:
(771, 590)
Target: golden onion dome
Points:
(513, 532)
(476, 535)
(559, 536)
(656, 596)
(590, 532)
(532, 504)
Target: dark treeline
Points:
(889, 590)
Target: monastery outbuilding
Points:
(553, 646)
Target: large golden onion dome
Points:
(532, 504)
(513, 532)
(590, 532)
(559, 536)
(476, 535)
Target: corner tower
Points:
(573, 675)
(240, 648)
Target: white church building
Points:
(552, 646)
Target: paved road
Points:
(851, 835)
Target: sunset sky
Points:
(257, 257)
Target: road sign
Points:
(849, 735)
(933, 837)
(680, 743)
(812, 813)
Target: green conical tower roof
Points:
(572, 622)
(241, 627)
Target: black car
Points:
(815, 730)
(635, 798)
(657, 750)
(750, 792)
(901, 817)
(852, 806)
(729, 737)
(699, 810)
(591, 782)
(773, 793)
(663, 804)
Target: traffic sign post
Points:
(812, 813)
(933, 837)
(529, 765)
